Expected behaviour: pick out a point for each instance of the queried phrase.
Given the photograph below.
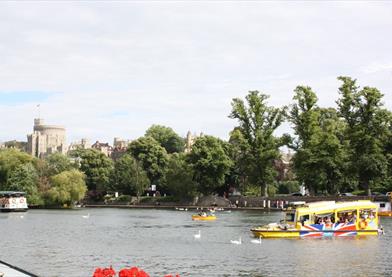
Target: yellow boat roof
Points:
(316, 207)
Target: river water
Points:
(64, 243)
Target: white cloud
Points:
(178, 63)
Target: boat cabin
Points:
(13, 201)
(362, 214)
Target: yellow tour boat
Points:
(325, 219)
(203, 216)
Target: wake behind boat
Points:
(325, 219)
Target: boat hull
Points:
(315, 230)
(8, 210)
(385, 213)
(204, 218)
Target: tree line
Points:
(342, 149)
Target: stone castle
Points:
(46, 139)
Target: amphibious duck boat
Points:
(324, 219)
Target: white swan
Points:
(256, 241)
(236, 241)
(86, 216)
(198, 235)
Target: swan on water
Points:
(236, 241)
(256, 241)
(198, 235)
(86, 216)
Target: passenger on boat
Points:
(203, 214)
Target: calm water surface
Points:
(63, 243)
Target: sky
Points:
(107, 69)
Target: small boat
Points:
(13, 201)
(203, 216)
(384, 208)
(325, 219)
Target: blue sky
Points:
(112, 69)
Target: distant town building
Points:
(120, 147)
(120, 143)
(82, 144)
(46, 139)
(103, 147)
(190, 140)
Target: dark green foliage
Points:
(10, 159)
(210, 162)
(96, 166)
(129, 177)
(152, 156)
(259, 147)
(179, 177)
(368, 126)
(167, 138)
(321, 155)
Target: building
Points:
(46, 139)
(190, 140)
(82, 144)
(103, 147)
(120, 147)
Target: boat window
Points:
(324, 218)
(304, 218)
(348, 216)
(367, 213)
(382, 205)
(290, 217)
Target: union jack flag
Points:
(324, 230)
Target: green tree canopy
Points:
(96, 166)
(321, 153)
(210, 161)
(10, 159)
(257, 123)
(152, 156)
(179, 177)
(129, 176)
(57, 163)
(167, 138)
(25, 178)
(68, 187)
(367, 122)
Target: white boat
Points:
(13, 201)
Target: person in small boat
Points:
(203, 214)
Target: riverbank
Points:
(169, 207)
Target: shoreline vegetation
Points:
(332, 150)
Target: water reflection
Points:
(63, 243)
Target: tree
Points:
(68, 187)
(363, 111)
(152, 156)
(167, 138)
(25, 178)
(179, 177)
(129, 176)
(57, 163)
(257, 123)
(10, 159)
(210, 163)
(96, 166)
(321, 153)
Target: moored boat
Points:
(324, 219)
(13, 201)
